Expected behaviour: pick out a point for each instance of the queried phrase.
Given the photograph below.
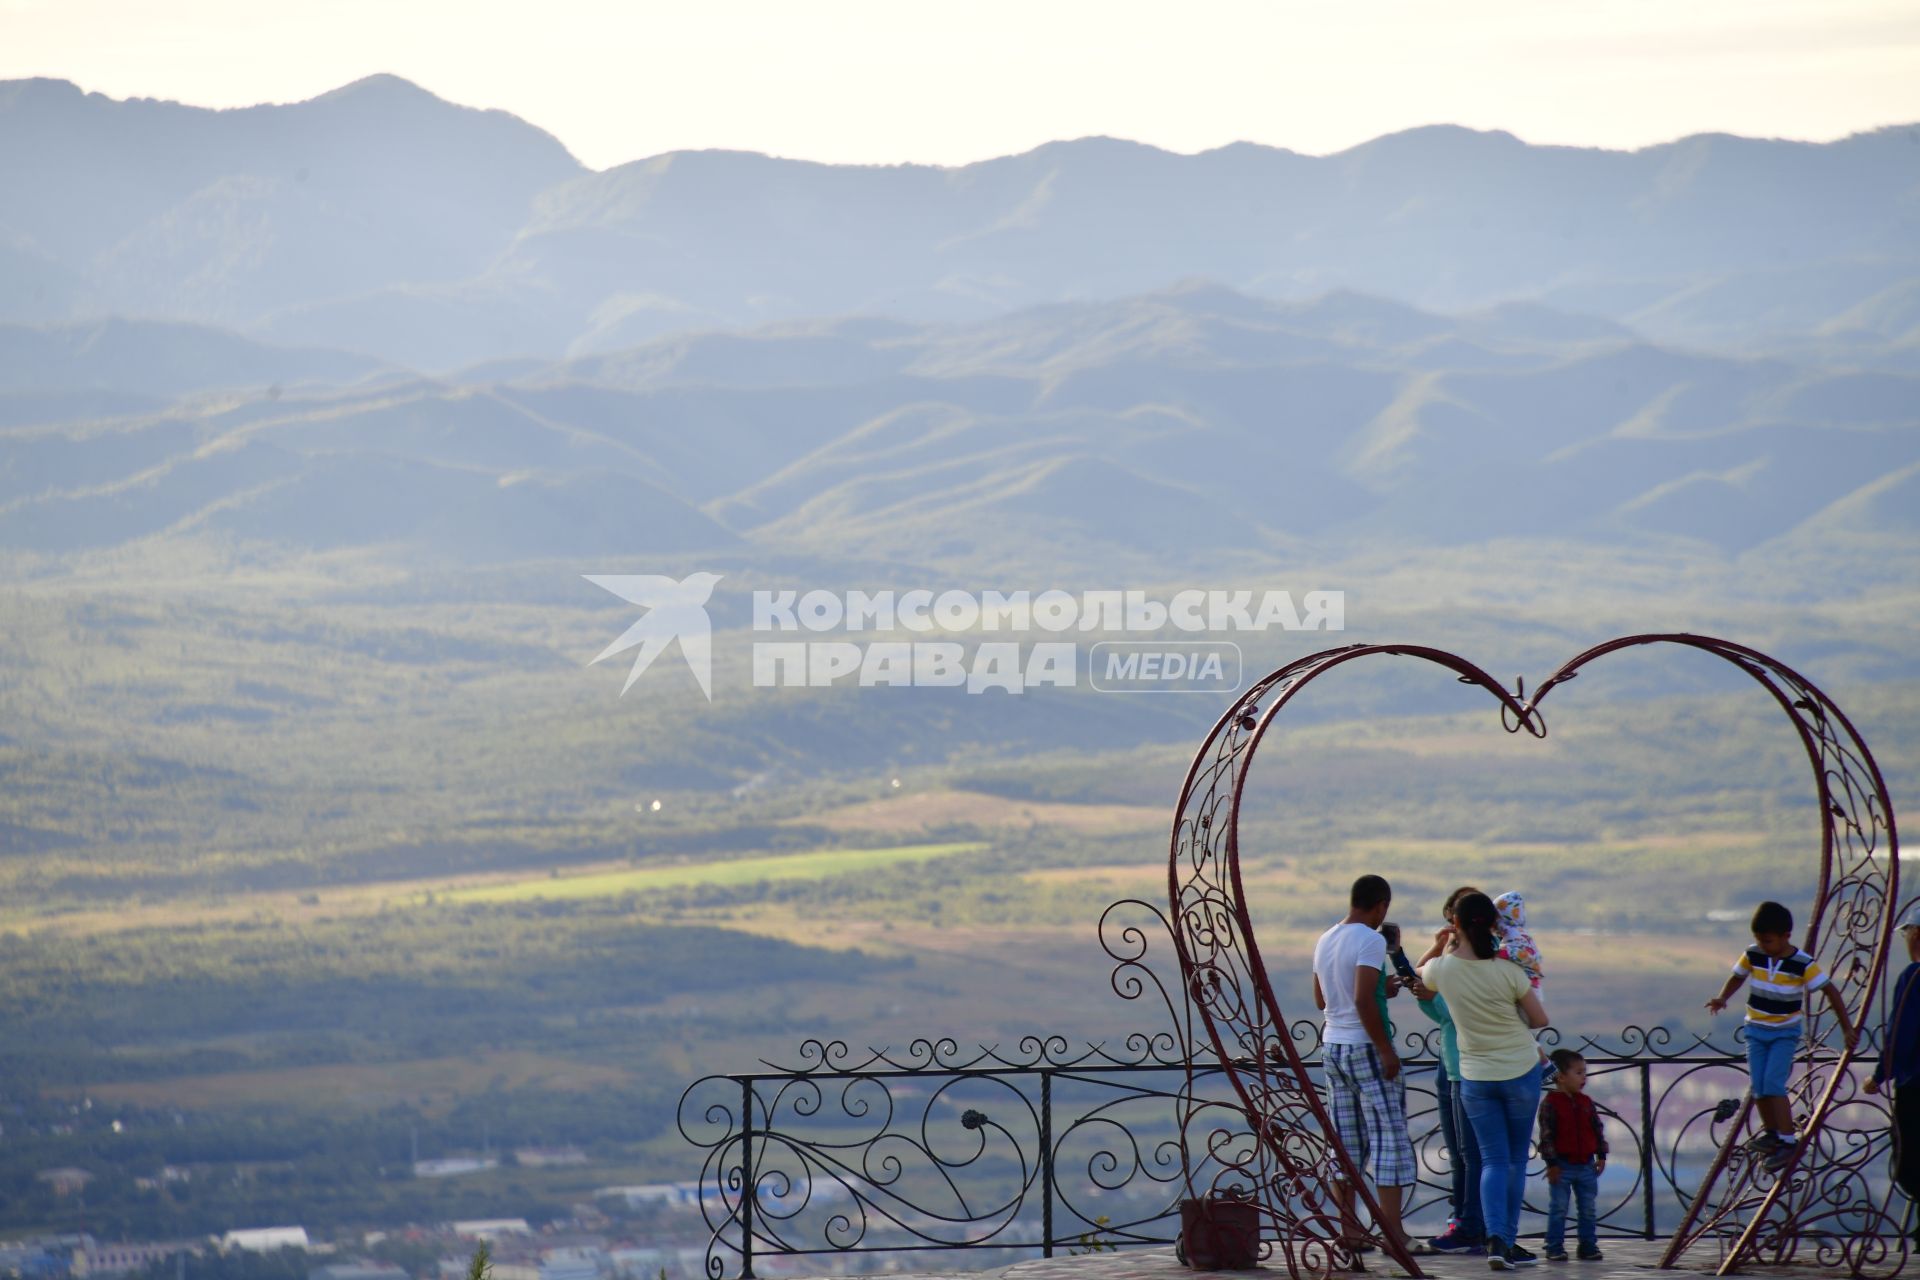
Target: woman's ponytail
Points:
(1477, 916)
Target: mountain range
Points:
(382, 220)
(377, 320)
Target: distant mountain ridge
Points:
(160, 210)
(1175, 430)
(383, 220)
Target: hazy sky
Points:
(891, 80)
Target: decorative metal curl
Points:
(835, 1057)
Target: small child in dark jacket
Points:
(1573, 1142)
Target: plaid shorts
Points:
(1370, 1113)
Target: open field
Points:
(934, 809)
(434, 1084)
(589, 880)
(797, 866)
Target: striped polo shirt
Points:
(1777, 988)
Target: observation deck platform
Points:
(1626, 1259)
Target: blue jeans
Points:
(1463, 1157)
(1770, 1053)
(1502, 1113)
(1583, 1182)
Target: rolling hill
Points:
(1183, 425)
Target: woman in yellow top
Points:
(1494, 1008)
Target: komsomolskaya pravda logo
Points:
(675, 610)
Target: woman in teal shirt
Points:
(1466, 1233)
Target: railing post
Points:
(746, 1178)
(1046, 1164)
(1646, 1143)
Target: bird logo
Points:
(674, 610)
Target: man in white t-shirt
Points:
(1365, 1091)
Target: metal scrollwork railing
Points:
(1060, 1149)
(929, 1158)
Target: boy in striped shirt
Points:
(1782, 976)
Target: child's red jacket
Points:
(1570, 1128)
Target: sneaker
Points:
(1591, 1255)
(1497, 1259)
(1521, 1257)
(1556, 1255)
(1453, 1240)
(1782, 1153)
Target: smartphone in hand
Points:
(1402, 965)
(1398, 956)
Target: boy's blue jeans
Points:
(1582, 1182)
(1770, 1053)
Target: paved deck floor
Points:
(1625, 1258)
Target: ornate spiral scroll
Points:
(1827, 1208)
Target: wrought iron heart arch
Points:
(1829, 1210)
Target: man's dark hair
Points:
(1564, 1058)
(1771, 917)
(1369, 892)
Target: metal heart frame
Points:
(1821, 1208)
